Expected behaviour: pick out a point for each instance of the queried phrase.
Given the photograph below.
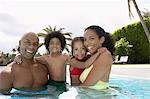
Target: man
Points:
(30, 75)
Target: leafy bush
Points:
(122, 47)
(135, 36)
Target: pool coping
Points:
(139, 71)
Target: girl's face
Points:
(79, 50)
(55, 45)
(92, 41)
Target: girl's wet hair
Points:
(55, 34)
(76, 39)
(108, 43)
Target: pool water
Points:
(132, 88)
(128, 88)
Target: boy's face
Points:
(55, 45)
(79, 50)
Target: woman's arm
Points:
(101, 68)
(87, 63)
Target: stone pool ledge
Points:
(132, 70)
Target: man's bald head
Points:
(28, 45)
(30, 34)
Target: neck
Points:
(27, 61)
(55, 54)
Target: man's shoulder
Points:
(39, 64)
(13, 66)
(9, 66)
(6, 70)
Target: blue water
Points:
(128, 88)
(132, 88)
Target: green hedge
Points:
(135, 35)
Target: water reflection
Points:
(73, 93)
(87, 93)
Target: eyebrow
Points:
(27, 39)
(92, 36)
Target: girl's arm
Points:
(101, 67)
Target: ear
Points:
(102, 39)
(19, 42)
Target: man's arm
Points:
(41, 59)
(6, 80)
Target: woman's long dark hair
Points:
(108, 43)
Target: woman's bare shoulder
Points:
(104, 57)
(6, 70)
(105, 54)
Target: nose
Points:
(31, 47)
(79, 51)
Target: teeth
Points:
(79, 55)
(29, 51)
(89, 48)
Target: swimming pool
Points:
(132, 88)
(129, 88)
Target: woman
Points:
(97, 75)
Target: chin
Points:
(54, 51)
(80, 58)
(29, 57)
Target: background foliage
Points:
(133, 40)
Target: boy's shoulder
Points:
(66, 56)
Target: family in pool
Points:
(90, 63)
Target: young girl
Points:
(79, 53)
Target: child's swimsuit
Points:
(56, 87)
(76, 71)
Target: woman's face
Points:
(79, 50)
(92, 41)
(55, 45)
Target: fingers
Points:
(17, 59)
